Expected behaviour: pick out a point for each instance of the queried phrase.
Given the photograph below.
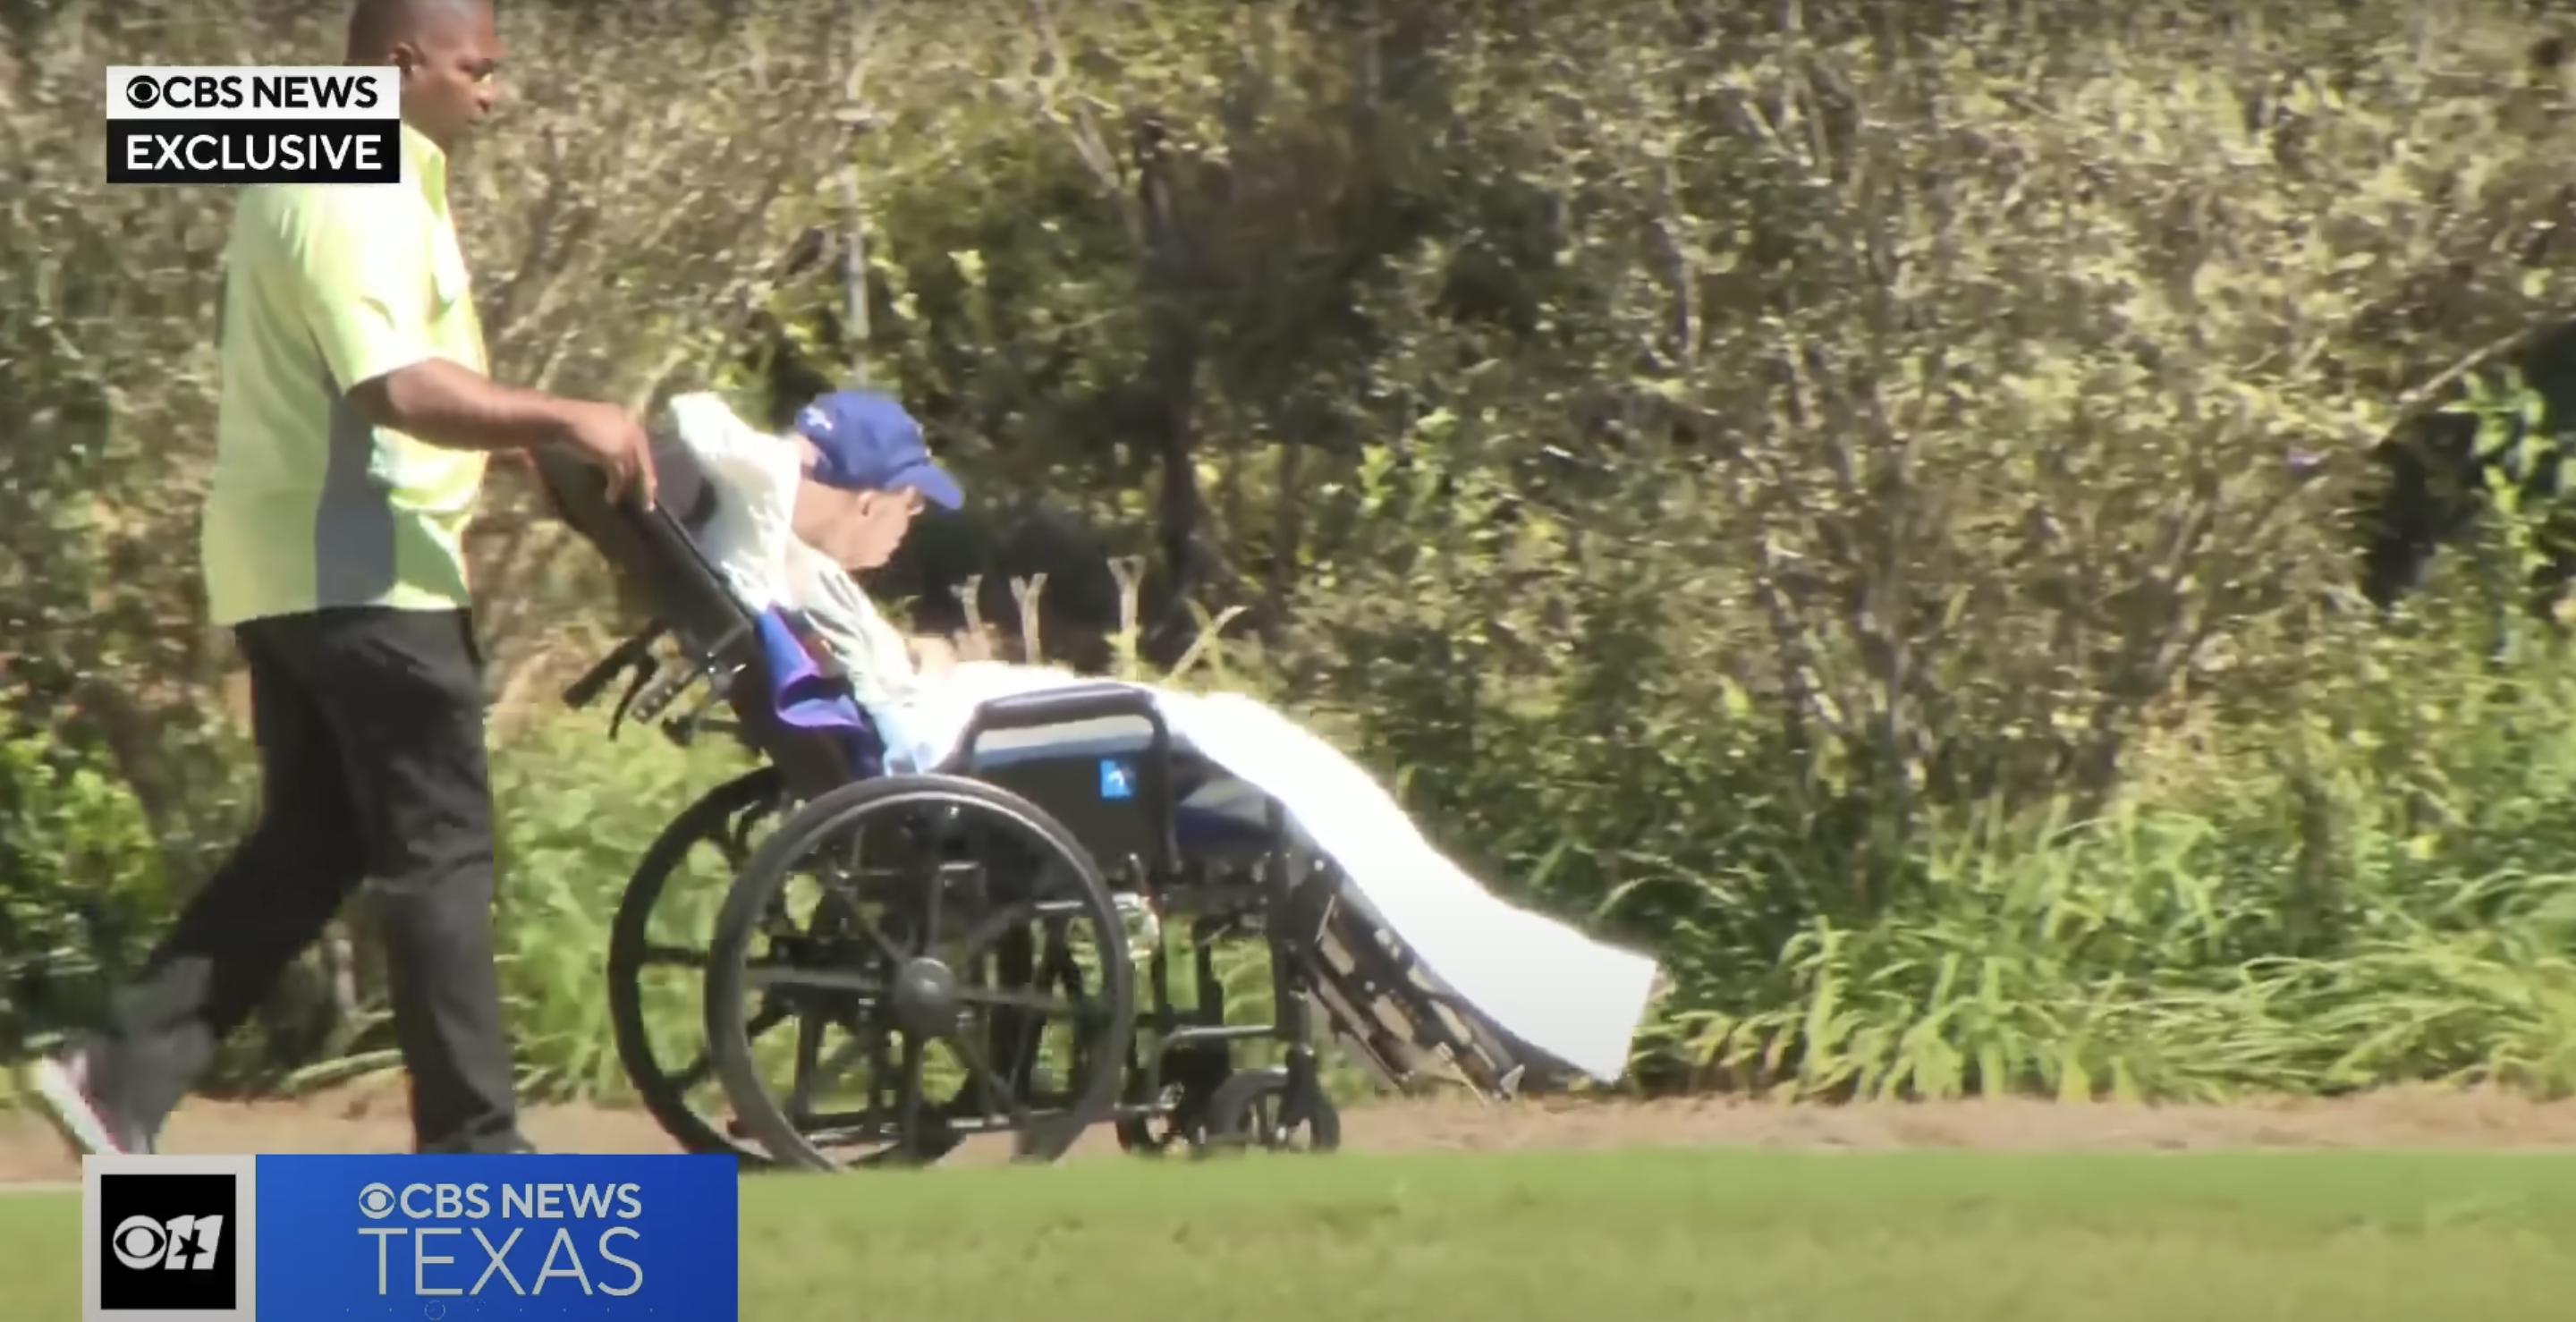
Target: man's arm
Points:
(357, 265)
(445, 404)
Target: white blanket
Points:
(1553, 987)
(1538, 979)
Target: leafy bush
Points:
(1852, 498)
(570, 839)
(81, 881)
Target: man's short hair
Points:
(377, 26)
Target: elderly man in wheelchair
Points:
(971, 861)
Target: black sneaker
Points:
(65, 1089)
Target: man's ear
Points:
(406, 58)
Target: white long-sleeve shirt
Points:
(752, 540)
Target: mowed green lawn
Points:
(1743, 1236)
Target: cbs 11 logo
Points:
(165, 1241)
(186, 1242)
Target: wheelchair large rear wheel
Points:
(665, 922)
(954, 966)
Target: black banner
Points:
(254, 151)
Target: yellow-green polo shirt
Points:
(311, 506)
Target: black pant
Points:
(370, 729)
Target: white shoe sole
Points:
(69, 1108)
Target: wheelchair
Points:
(984, 948)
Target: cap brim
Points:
(934, 484)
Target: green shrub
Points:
(571, 837)
(82, 888)
(1847, 497)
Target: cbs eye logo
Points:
(167, 1243)
(182, 1243)
(376, 1201)
(184, 91)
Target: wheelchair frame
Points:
(1326, 952)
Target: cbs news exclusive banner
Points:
(254, 124)
(307, 1238)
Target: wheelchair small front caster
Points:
(1191, 1075)
(1152, 1136)
(1250, 1111)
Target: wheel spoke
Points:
(998, 997)
(911, 1114)
(981, 939)
(837, 1064)
(783, 975)
(938, 884)
(995, 1085)
(884, 1087)
(839, 898)
(676, 956)
(809, 1044)
(885, 945)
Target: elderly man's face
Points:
(858, 529)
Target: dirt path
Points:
(372, 1120)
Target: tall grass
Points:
(2374, 883)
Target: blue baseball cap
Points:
(869, 443)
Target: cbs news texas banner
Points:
(306, 1238)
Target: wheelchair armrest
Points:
(1085, 703)
(1089, 702)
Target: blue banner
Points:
(569, 1238)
